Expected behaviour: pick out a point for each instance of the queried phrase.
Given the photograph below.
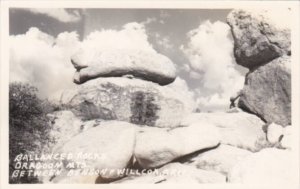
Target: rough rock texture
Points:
(64, 125)
(269, 166)
(267, 92)
(287, 139)
(176, 173)
(274, 133)
(220, 159)
(239, 129)
(149, 66)
(109, 146)
(257, 38)
(157, 146)
(132, 100)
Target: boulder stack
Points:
(265, 48)
(131, 123)
(127, 86)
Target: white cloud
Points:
(42, 60)
(59, 14)
(165, 42)
(209, 52)
(149, 21)
(131, 37)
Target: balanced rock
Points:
(238, 129)
(132, 100)
(258, 38)
(267, 92)
(108, 146)
(157, 146)
(269, 166)
(221, 159)
(149, 66)
(175, 173)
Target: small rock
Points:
(274, 133)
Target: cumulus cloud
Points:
(131, 37)
(42, 60)
(209, 52)
(61, 15)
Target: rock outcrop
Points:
(221, 159)
(238, 129)
(269, 166)
(64, 125)
(108, 146)
(263, 45)
(274, 133)
(132, 100)
(287, 139)
(176, 173)
(148, 66)
(256, 39)
(156, 147)
(267, 91)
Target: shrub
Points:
(28, 125)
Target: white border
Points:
(4, 78)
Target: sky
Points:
(198, 42)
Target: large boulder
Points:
(238, 129)
(267, 92)
(108, 146)
(175, 173)
(258, 37)
(149, 66)
(132, 100)
(220, 159)
(157, 146)
(269, 166)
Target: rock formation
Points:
(181, 174)
(149, 66)
(265, 48)
(256, 39)
(133, 100)
(264, 167)
(127, 110)
(239, 129)
(156, 147)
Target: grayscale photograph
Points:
(150, 96)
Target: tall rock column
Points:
(264, 47)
